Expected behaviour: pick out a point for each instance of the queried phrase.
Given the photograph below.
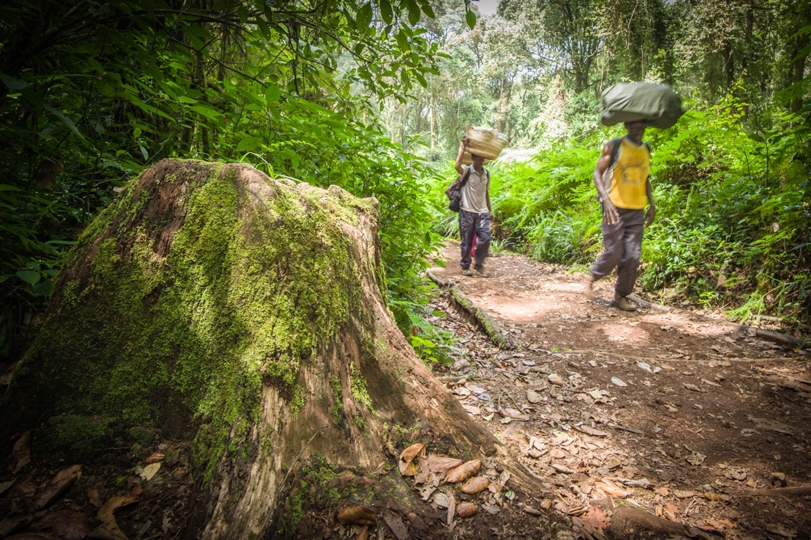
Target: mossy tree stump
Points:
(214, 303)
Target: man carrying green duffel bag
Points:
(622, 180)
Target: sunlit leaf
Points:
(470, 18)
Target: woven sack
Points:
(655, 104)
(485, 142)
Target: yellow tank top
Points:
(628, 176)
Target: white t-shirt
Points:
(474, 192)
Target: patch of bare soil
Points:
(668, 410)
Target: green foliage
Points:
(90, 95)
(733, 211)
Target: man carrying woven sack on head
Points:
(623, 186)
(475, 212)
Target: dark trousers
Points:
(622, 242)
(472, 224)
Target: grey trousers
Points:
(622, 242)
(472, 224)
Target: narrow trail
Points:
(680, 414)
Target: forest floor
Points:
(673, 411)
(684, 415)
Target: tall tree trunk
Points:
(798, 68)
(729, 65)
(432, 103)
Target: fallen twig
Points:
(776, 492)
(478, 315)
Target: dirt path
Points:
(673, 411)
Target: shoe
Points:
(590, 285)
(624, 304)
(467, 271)
(481, 271)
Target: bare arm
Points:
(462, 147)
(610, 214)
(650, 215)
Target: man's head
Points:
(636, 130)
(478, 161)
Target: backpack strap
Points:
(465, 178)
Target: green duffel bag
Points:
(656, 104)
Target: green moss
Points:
(79, 437)
(337, 401)
(359, 390)
(244, 295)
(266, 445)
(297, 401)
(70, 294)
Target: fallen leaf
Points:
(109, 528)
(593, 432)
(441, 499)
(155, 458)
(555, 379)
(58, 485)
(595, 518)
(736, 474)
(396, 525)
(15, 523)
(671, 512)
(643, 483)
(515, 415)
(663, 491)
(696, 458)
(596, 394)
(717, 497)
(94, 497)
(475, 485)
(442, 464)
(463, 471)
(472, 410)
(426, 492)
(150, 471)
(114, 503)
(692, 387)
(618, 381)
(466, 509)
(533, 396)
(719, 525)
(357, 515)
(67, 524)
(21, 453)
(6, 485)
(606, 487)
(23, 490)
(546, 504)
(490, 509)
(451, 509)
(407, 457)
(680, 494)
(561, 469)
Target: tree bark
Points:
(218, 305)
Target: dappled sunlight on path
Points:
(685, 415)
